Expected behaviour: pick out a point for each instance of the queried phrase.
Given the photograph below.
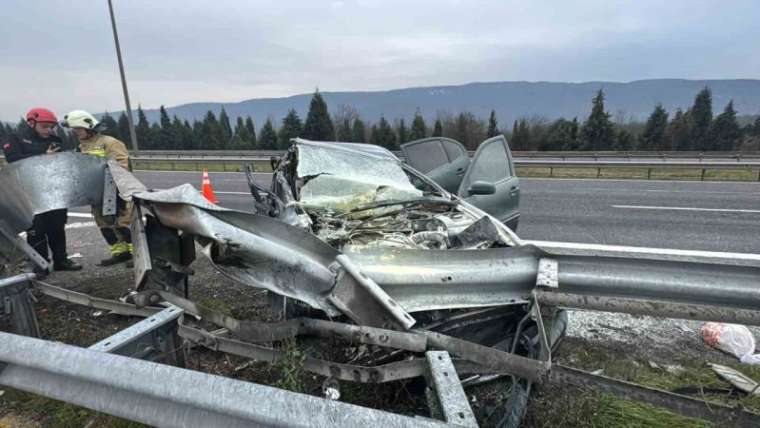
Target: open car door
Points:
(443, 160)
(491, 182)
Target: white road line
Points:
(82, 215)
(717, 192)
(628, 180)
(233, 193)
(717, 210)
(646, 250)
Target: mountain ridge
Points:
(510, 99)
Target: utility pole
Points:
(132, 134)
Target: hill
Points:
(511, 100)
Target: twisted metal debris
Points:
(379, 287)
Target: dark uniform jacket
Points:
(27, 143)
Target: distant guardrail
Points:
(630, 155)
(231, 160)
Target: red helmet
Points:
(40, 114)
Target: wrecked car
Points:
(360, 197)
(392, 259)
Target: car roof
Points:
(364, 149)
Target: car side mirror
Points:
(481, 188)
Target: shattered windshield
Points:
(340, 179)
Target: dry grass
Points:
(641, 173)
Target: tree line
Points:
(694, 129)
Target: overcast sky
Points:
(60, 53)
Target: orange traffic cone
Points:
(207, 190)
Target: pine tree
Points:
(251, 131)
(402, 131)
(756, 127)
(110, 126)
(197, 131)
(344, 132)
(291, 128)
(123, 130)
(144, 133)
(268, 137)
(493, 129)
(166, 138)
(623, 140)
(725, 132)
(561, 135)
(419, 129)
(597, 132)
(226, 127)
(318, 126)
(211, 136)
(677, 134)
(383, 135)
(521, 135)
(700, 120)
(438, 128)
(179, 135)
(239, 135)
(358, 131)
(653, 137)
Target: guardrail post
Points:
(152, 339)
(758, 175)
(598, 172)
(551, 171)
(649, 173)
(702, 177)
(15, 301)
(447, 398)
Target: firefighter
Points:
(48, 228)
(114, 228)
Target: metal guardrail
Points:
(232, 161)
(167, 396)
(119, 376)
(265, 154)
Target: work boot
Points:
(67, 264)
(116, 259)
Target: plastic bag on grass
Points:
(732, 339)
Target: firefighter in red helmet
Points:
(48, 229)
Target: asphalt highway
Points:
(707, 216)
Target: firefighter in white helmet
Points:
(114, 228)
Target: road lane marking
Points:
(624, 180)
(82, 215)
(717, 210)
(717, 192)
(646, 250)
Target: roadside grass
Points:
(738, 174)
(582, 408)
(44, 412)
(588, 408)
(681, 374)
(258, 166)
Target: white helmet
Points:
(80, 119)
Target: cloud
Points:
(177, 51)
